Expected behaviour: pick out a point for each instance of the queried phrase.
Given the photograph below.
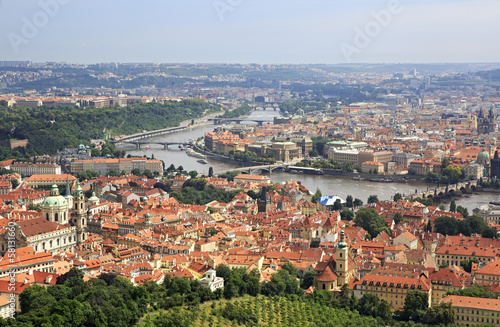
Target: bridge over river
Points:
(139, 136)
(165, 144)
(447, 191)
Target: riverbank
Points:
(185, 124)
(221, 158)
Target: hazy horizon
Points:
(256, 31)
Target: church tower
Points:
(79, 214)
(342, 260)
(263, 203)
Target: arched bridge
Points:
(219, 121)
(447, 191)
(255, 169)
(165, 144)
(144, 135)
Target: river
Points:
(329, 185)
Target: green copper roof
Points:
(342, 244)
(483, 154)
(78, 189)
(55, 199)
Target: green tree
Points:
(35, 297)
(308, 280)
(349, 201)
(453, 206)
(446, 225)
(371, 221)
(467, 264)
(148, 173)
(416, 304)
(463, 211)
(397, 197)
(316, 196)
(442, 314)
(444, 264)
(372, 199)
(95, 152)
(15, 183)
(210, 171)
(452, 173)
(136, 172)
(357, 202)
(337, 205)
(398, 217)
(347, 214)
(193, 173)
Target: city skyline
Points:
(239, 31)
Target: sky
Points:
(250, 31)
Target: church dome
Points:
(93, 197)
(483, 155)
(55, 199)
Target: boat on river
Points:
(202, 161)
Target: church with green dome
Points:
(69, 213)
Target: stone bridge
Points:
(447, 191)
(254, 169)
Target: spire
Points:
(342, 244)
(68, 192)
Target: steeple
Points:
(78, 189)
(342, 244)
(342, 260)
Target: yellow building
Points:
(390, 288)
(444, 280)
(472, 311)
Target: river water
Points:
(329, 185)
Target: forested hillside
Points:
(49, 129)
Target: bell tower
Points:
(79, 214)
(342, 260)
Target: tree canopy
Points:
(371, 221)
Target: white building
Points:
(212, 281)
(29, 169)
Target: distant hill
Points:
(491, 75)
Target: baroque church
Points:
(63, 224)
(338, 271)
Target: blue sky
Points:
(250, 31)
